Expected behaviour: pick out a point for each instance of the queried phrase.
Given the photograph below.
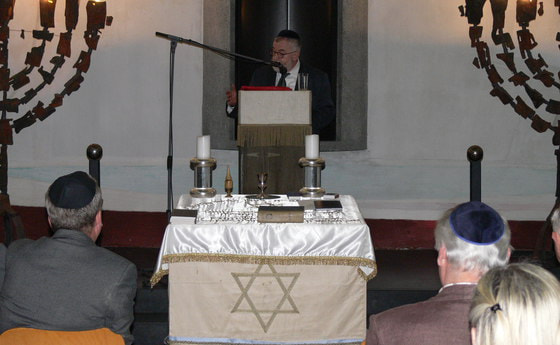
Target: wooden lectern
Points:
(271, 138)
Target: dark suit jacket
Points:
(440, 320)
(66, 282)
(322, 107)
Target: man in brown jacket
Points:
(555, 220)
(470, 239)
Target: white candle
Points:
(312, 146)
(203, 147)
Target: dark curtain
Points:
(258, 21)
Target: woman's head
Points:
(516, 304)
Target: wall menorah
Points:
(528, 78)
(20, 81)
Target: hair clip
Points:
(495, 307)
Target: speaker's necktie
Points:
(282, 81)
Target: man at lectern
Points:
(286, 50)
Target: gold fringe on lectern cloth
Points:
(272, 135)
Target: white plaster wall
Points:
(427, 100)
(123, 104)
(427, 105)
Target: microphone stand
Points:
(227, 54)
(222, 52)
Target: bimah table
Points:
(233, 280)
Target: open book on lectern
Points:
(271, 107)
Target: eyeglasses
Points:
(280, 54)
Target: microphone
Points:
(281, 67)
(170, 37)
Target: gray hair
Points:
(555, 220)
(468, 256)
(516, 304)
(294, 41)
(81, 219)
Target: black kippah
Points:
(288, 34)
(72, 191)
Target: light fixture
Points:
(46, 10)
(526, 11)
(96, 14)
(474, 11)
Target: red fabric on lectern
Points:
(265, 88)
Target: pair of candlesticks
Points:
(203, 165)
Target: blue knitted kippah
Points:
(477, 223)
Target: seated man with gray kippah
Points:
(66, 282)
(470, 239)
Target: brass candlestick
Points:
(228, 183)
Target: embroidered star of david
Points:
(274, 297)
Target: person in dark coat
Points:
(66, 282)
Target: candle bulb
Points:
(96, 15)
(526, 11)
(46, 13)
(312, 146)
(203, 147)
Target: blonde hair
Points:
(518, 304)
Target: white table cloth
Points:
(226, 229)
(233, 280)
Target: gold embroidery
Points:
(179, 342)
(278, 309)
(265, 260)
(156, 277)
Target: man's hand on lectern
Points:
(232, 96)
